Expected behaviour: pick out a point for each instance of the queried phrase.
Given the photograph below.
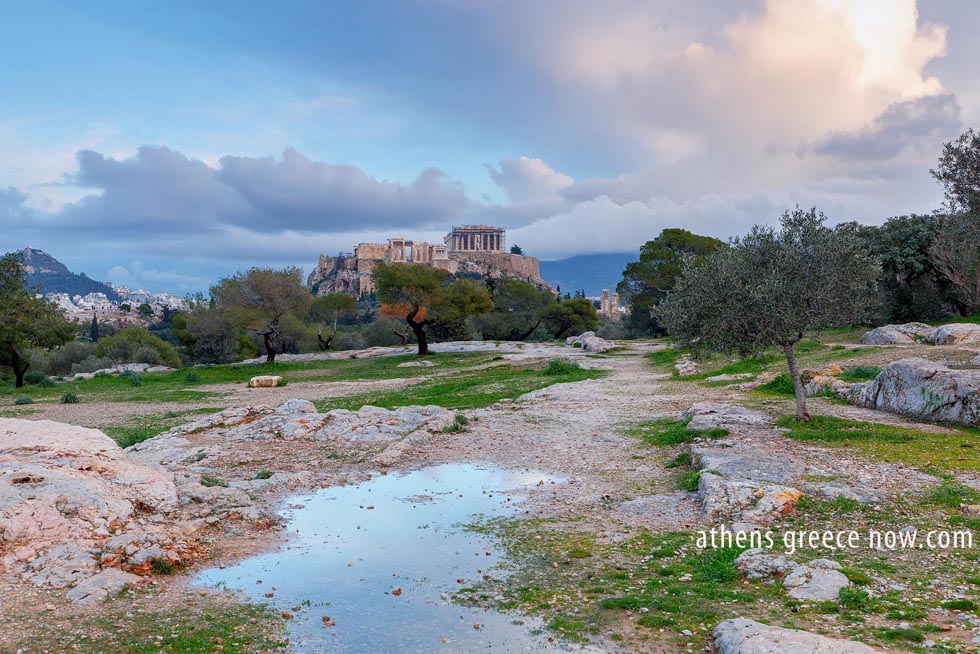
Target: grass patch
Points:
(558, 367)
(689, 480)
(663, 358)
(855, 374)
(960, 605)
(465, 389)
(670, 431)
(781, 384)
(460, 422)
(950, 495)
(952, 449)
(263, 474)
(210, 481)
(142, 428)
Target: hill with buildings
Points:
(469, 250)
(48, 275)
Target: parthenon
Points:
(475, 238)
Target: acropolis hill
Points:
(475, 250)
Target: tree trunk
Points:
(528, 333)
(20, 366)
(561, 331)
(404, 337)
(269, 338)
(419, 329)
(325, 342)
(794, 373)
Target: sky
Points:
(166, 145)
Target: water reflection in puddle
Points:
(354, 547)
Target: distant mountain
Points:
(49, 275)
(587, 272)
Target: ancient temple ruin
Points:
(609, 305)
(476, 250)
(475, 238)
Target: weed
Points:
(209, 481)
(191, 377)
(689, 480)
(561, 367)
(263, 474)
(459, 425)
(960, 605)
(681, 460)
(69, 397)
(670, 431)
(857, 599)
(162, 567)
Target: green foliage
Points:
(191, 377)
(771, 287)
(423, 296)
(62, 359)
(855, 374)
(689, 480)
(460, 422)
(210, 481)
(781, 384)
(263, 474)
(34, 377)
(958, 171)
(857, 599)
(561, 366)
(831, 429)
(69, 397)
(519, 309)
(162, 567)
(960, 605)
(136, 345)
(648, 281)
(22, 400)
(259, 300)
(670, 431)
(570, 316)
(956, 255)
(951, 495)
(27, 321)
(664, 357)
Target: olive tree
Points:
(260, 298)
(26, 320)
(772, 286)
(329, 309)
(425, 296)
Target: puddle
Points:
(351, 547)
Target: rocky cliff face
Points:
(348, 274)
(46, 273)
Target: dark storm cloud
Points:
(161, 191)
(299, 193)
(900, 127)
(11, 204)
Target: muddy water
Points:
(380, 559)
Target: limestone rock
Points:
(744, 636)
(424, 363)
(108, 583)
(904, 334)
(743, 500)
(121, 368)
(710, 415)
(727, 378)
(687, 367)
(818, 580)
(923, 389)
(264, 381)
(589, 342)
(954, 334)
(758, 563)
(821, 384)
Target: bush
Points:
(192, 377)
(46, 382)
(781, 384)
(348, 341)
(61, 360)
(69, 397)
(90, 364)
(22, 400)
(34, 377)
(561, 367)
(135, 345)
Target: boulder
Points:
(686, 367)
(64, 491)
(924, 390)
(742, 500)
(710, 415)
(955, 334)
(744, 636)
(758, 563)
(905, 334)
(820, 384)
(589, 342)
(264, 381)
(819, 580)
(105, 585)
(728, 378)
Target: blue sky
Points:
(167, 145)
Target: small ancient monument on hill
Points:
(468, 249)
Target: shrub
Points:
(781, 384)
(860, 373)
(135, 345)
(61, 360)
(69, 397)
(348, 341)
(34, 377)
(91, 364)
(561, 367)
(22, 400)
(210, 481)
(856, 599)
(192, 377)
(459, 425)
(162, 567)
(46, 382)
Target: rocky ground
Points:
(83, 519)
